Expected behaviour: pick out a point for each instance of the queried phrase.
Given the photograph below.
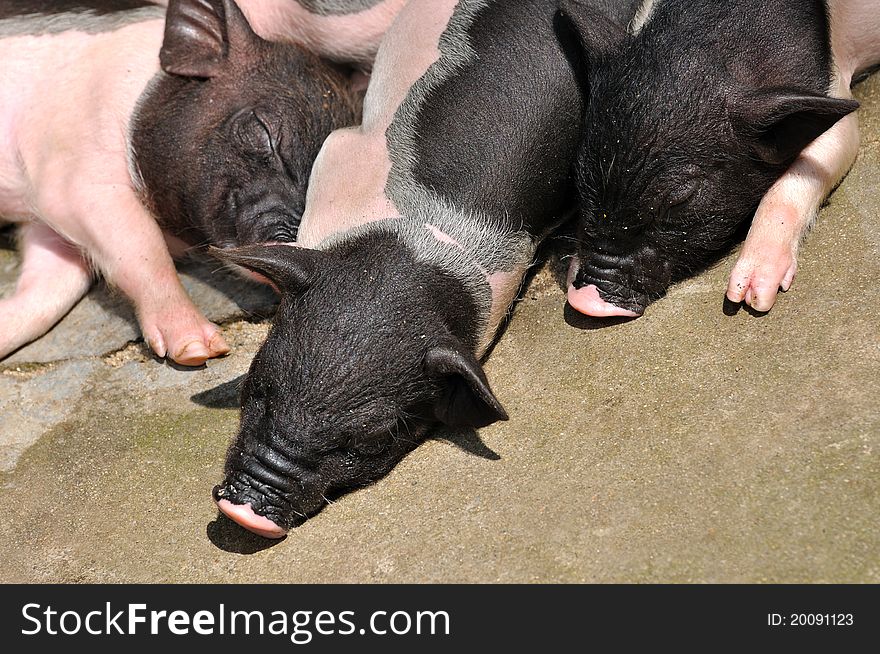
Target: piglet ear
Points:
(465, 399)
(584, 34)
(199, 36)
(595, 32)
(289, 267)
(780, 123)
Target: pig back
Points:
(495, 123)
(11, 8)
(18, 17)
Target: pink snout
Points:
(244, 515)
(587, 301)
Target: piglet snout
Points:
(587, 300)
(244, 515)
(264, 491)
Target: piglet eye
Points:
(370, 445)
(681, 195)
(253, 133)
(678, 200)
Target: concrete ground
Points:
(686, 446)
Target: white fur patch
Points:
(643, 15)
(81, 21)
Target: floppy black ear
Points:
(200, 34)
(570, 42)
(289, 267)
(585, 35)
(781, 123)
(465, 400)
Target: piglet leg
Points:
(128, 247)
(54, 276)
(768, 261)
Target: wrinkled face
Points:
(324, 408)
(678, 149)
(358, 367)
(664, 183)
(225, 139)
(247, 180)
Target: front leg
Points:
(768, 261)
(124, 242)
(53, 277)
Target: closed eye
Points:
(254, 133)
(268, 140)
(677, 202)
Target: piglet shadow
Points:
(230, 537)
(224, 396)
(731, 308)
(467, 440)
(179, 367)
(576, 319)
(7, 236)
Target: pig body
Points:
(425, 219)
(347, 31)
(703, 116)
(218, 143)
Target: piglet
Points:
(102, 149)
(703, 116)
(424, 220)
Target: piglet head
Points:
(675, 157)
(224, 140)
(363, 359)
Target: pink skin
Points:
(768, 260)
(53, 277)
(347, 185)
(586, 300)
(244, 515)
(257, 277)
(64, 177)
(504, 285)
(351, 38)
(442, 236)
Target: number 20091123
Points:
(810, 619)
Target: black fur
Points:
(503, 144)
(369, 348)
(688, 124)
(379, 348)
(225, 138)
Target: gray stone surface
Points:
(104, 320)
(688, 445)
(33, 401)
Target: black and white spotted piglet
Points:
(425, 220)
